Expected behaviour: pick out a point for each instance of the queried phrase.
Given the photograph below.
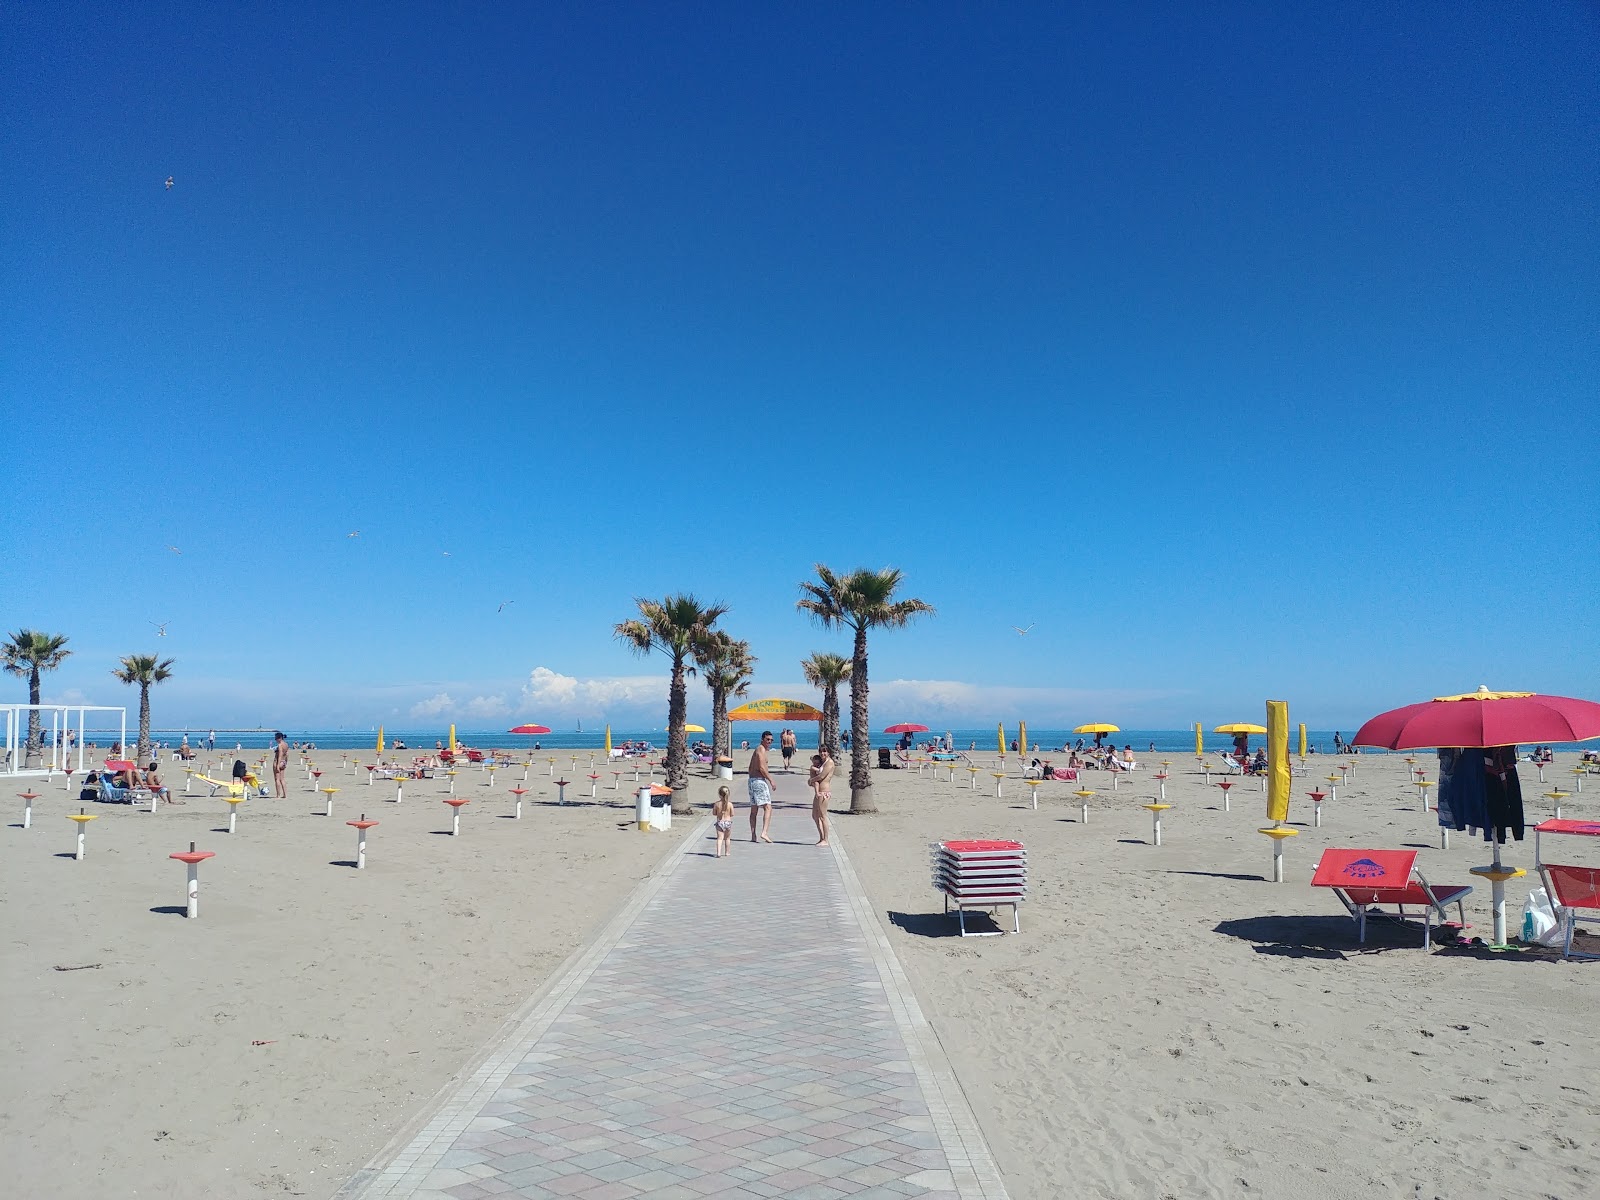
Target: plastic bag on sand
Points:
(1540, 926)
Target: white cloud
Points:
(550, 692)
(433, 706)
(486, 706)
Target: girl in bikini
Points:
(722, 811)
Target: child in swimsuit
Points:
(722, 811)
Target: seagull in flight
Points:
(353, 533)
(505, 604)
(1021, 632)
(169, 183)
(446, 553)
(161, 627)
(174, 549)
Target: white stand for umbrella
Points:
(1497, 873)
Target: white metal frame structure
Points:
(57, 757)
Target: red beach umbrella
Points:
(530, 729)
(1482, 718)
(906, 727)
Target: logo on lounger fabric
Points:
(1364, 868)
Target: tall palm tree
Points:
(859, 601)
(143, 670)
(827, 671)
(27, 653)
(726, 665)
(679, 627)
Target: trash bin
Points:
(724, 768)
(883, 759)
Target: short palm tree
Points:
(726, 665)
(678, 627)
(143, 670)
(27, 653)
(827, 671)
(859, 601)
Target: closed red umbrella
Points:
(1482, 718)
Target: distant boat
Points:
(580, 726)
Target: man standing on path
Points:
(280, 766)
(761, 788)
(786, 746)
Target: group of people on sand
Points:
(762, 786)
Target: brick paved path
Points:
(742, 1029)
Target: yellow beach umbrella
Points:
(452, 739)
(1302, 739)
(1098, 727)
(608, 742)
(380, 739)
(1278, 760)
(1199, 741)
(1022, 738)
(694, 728)
(1000, 733)
(1240, 727)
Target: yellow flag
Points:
(380, 739)
(1302, 739)
(1022, 738)
(1199, 741)
(1277, 760)
(1000, 732)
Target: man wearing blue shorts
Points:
(761, 789)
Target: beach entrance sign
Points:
(775, 710)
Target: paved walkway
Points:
(741, 1029)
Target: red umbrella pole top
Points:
(362, 824)
(193, 856)
(1482, 718)
(457, 801)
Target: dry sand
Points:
(370, 989)
(1169, 1023)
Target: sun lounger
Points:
(1571, 889)
(1366, 879)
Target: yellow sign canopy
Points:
(775, 710)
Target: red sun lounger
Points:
(1572, 888)
(1364, 879)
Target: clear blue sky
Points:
(1245, 350)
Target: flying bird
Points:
(1021, 632)
(446, 553)
(353, 533)
(169, 183)
(174, 549)
(161, 627)
(505, 604)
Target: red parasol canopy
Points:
(530, 729)
(906, 727)
(1482, 718)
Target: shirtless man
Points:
(786, 746)
(761, 788)
(280, 764)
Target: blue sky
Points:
(1245, 351)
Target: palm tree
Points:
(726, 665)
(144, 670)
(26, 654)
(827, 671)
(859, 601)
(677, 626)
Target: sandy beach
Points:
(1168, 1023)
(366, 990)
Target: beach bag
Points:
(1540, 926)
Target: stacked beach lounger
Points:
(981, 874)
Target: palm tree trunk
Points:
(828, 742)
(144, 724)
(33, 753)
(860, 730)
(720, 737)
(677, 745)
